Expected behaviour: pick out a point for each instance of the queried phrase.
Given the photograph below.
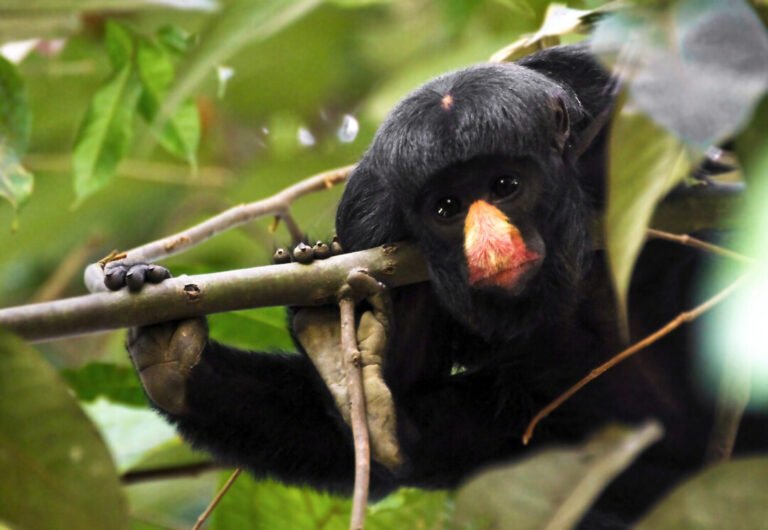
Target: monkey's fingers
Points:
(134, 276)
(375, 293)
(304, 253)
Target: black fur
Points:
(273, 415)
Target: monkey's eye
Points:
(447, 207)
(503, 187)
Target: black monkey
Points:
(478, 168)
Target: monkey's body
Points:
(469, 360)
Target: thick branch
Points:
(278, 205)
(190, 296)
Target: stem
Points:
(354, 376)
(685, 239)
(682, 318)
(215, 501)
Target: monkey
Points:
(494, 172)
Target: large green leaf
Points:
(119, 384)
(241, 23)
(553, 488)
(262, 504)
(645, 162)
(263, 328)
(106, 132)
(181, 134)
(15, 118)
(728, 495)
(55, 471)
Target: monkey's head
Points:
(472, 167)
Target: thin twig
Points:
(682, 318)
(165, 473)
(215, 501)
(685, 239)
(278, 204)
(353, 368)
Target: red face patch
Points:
(496, 252)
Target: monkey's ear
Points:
(562, 128)
(368, 214)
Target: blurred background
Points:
(279, 91)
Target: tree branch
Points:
(278, 205)
(191, 296)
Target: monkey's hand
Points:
(164, 354)
(319, 332)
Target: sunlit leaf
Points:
(257, 329)
(558, 20)
(261, 504)
(55, 471)
(728, 495)
(735, 335)
(241, 23)
(553, 488)
(118, 384)
(698, 67)
(645, 162)
(130, 432)
(15, 117)
(16, 183)
(106, 132)
(181, 134)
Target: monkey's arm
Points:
(269, 413)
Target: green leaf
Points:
(646, 161)
(243, 22)
(174, 39)
(119, 384)
(130, 432)
(106, 132)
(119, 44)
(172, 453)
(55, 471)
(728, 495)
(16, 183)
(553, 488)
(181, 135)
(263, 328)
(252, 504)
(15, 118)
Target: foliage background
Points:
(335, 59)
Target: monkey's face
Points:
(485, 228)
(484, 212)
